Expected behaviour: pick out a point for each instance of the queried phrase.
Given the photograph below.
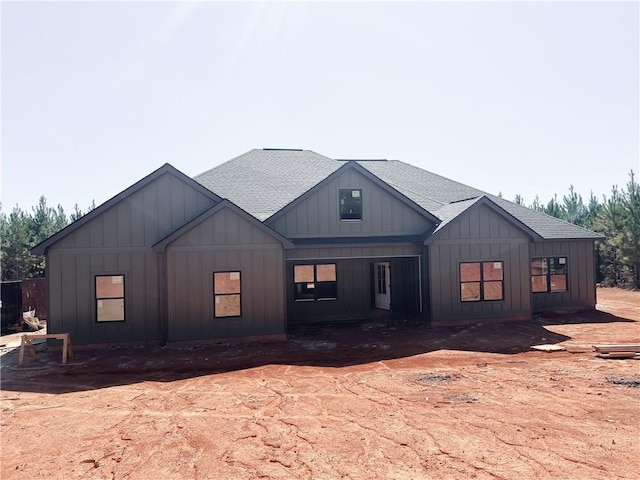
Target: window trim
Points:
(215, 295)
(348, 189)
(481, 281)
(315, 281)
(548, 273)
(97, 298)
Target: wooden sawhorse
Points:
(67, 349)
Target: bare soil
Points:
(368, 400)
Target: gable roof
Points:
(441, 195)
(161, 245)
(353, 165)
(548, 227)
(448, 213)
(262, 182)
(427, 189)
(41, 248)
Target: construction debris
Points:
(621, 350)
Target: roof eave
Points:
(162, 244)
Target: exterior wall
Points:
(318, 214)
(225, 242)
(358, 251)
(71, 278)
(581, 280)
(119, 241)
(355, 281)
(478, 235)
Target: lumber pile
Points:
(621, 350)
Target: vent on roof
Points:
(284, 149)
(361, 160)
(464, 199)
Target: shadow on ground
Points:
(320, 345)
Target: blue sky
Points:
(511, 97)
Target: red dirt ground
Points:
(369, 400)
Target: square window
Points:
(470, 292)
(350, 201)
(303, 273)
(539, 283)
(470, 272)
(315, 282)
(481, 281)
(492, 291)
(549, 274)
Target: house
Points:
(277, 237)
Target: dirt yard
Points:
(377, 400)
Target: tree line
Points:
(20, 231)
(615, 216)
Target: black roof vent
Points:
(465, 199)
(284, 149)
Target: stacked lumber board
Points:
(621, 350)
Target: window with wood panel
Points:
(549, 274)
(110, 298)
(315, 282)
(227, 295)
(481, 281)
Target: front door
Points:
(382, 282)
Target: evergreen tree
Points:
(553, 208)
(21, 231)
(573, 210)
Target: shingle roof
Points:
(437, 194)
(450, 211)
(546, 226)
(427, 189)
(262, 182)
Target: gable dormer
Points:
(351, 202)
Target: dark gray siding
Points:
(479, 234)
(377, 251)
(581, 282)
(225, 242)
(318, 214)
(355, 281)
(119, 241)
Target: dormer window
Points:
(350, 200)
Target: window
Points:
(350, 204)
(315, 282)
(110, 298)
(549, 274)
(481, 281)
(226, 294)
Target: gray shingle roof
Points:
(450, 211)
(427, 189)
(436, 194)
(262, 182)
(546, 226)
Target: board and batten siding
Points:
(354, 277)
(317, 215)
(225, 242)
(581, 283)
(478, 235)
(118, 242)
